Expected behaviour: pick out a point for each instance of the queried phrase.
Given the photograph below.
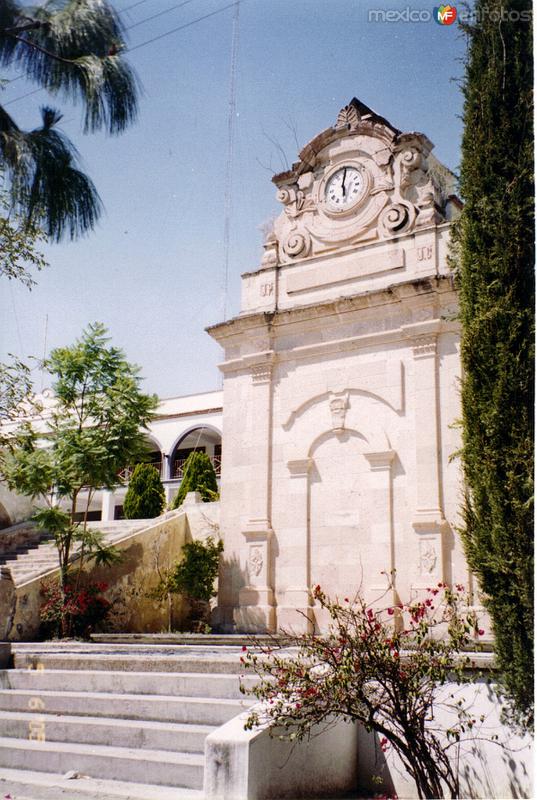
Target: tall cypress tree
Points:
(495, 240)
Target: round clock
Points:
(344, 188)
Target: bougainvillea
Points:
(382, 668)
(76, 610)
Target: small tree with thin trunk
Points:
(94, 428)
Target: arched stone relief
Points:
(308, 404)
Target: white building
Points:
(181, 424)
(341, 385)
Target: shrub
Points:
(145, 496)
(198, 476)
(76, 611)
(195, 575)
(379, 668)
(193, 578)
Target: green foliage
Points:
(383, 669)
(495, 262)
(195, 574)
(198, 476)
(94, 428)
(145, 496)
(18, 240)
(16, 402)
(71, 49)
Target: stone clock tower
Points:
(341, 385)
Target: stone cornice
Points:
(269, 321)
(351, 343)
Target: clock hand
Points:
(343, 181)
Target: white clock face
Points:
(344, 188)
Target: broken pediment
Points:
(358, 181)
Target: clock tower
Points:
(340, 385)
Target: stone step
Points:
(129, 662)
(31, 785)
(190, 684)
(162, 708)
(97, 730)
(113, 763)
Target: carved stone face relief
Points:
(338, 409)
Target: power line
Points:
(128, 8)
(159, 14)
(22, 96)
(180, 28)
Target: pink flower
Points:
(390, 611)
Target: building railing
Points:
(179, 466)
(126, 473)
(177, 469)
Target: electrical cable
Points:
(159, 14)
(128, 8)
(180, 28)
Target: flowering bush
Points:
(77, 610)
(382, 668)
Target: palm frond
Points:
(73, 50)
(45, 183)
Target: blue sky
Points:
(153, 270)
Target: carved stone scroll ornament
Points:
(396, 218)
(295, 201)
(297, 244)
(339, 404)
(410, 160)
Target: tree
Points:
(381, 668)
(71, 48)
(18, 240)
(93, 430)
(198, 476)
(145, 496)
(495, 259)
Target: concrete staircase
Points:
(30, 554)
(131, 720)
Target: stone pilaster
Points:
(256, 610)
(382, 529)
(296, 612)
(428, 523)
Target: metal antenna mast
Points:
(230, 151)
